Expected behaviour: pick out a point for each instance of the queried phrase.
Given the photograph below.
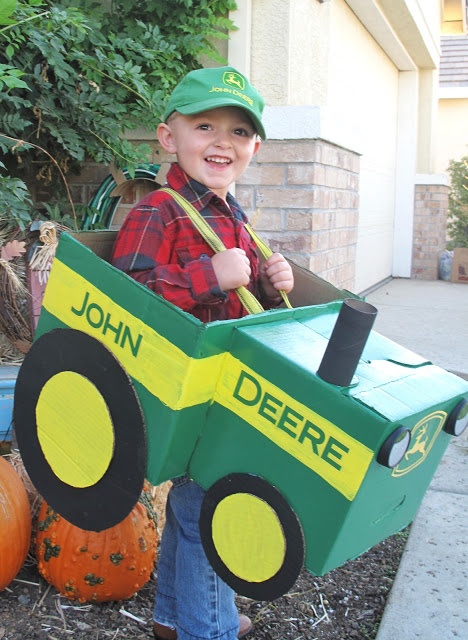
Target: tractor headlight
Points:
(394, 448)
(458, 419)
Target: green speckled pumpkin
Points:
(91, 566)
(15, 523)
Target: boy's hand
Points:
(232, 268)
(276, 274)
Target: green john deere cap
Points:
(206, 89)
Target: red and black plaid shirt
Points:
(159, 246)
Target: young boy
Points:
(212, 123)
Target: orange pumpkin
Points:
(15, 523)
(91, 566)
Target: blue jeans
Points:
(190, 596)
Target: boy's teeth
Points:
(218, 160)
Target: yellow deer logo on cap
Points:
(233, 79)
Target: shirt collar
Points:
(197, 193)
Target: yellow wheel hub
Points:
(74, 429)
(244, 528)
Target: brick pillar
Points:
(302, 198)
(429, 233)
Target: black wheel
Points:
(80, 429)
(251, 536)
(457, 421)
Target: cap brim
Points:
(206, 105)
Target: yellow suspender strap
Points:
(266, 253)
(249, 301)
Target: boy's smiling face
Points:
(213, 147)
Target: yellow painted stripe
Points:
(178, 380)
(333, 454)
(266, 253)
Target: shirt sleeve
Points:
(147, 250)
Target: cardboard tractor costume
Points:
(314, 436)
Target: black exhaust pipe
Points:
(347, 342)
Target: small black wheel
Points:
(80, 429)
(457, 421)
(251, 536)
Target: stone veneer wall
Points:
(301, 196)
(429, 232)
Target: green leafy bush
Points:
(75, 76)
(457, 221)
(15, 203)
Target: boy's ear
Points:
(258, 143)
(166, 138)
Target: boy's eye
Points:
(242, 131)
(238, 131)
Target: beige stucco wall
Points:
(290, 43)
(363, 99)
(452, 135)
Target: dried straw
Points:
(35, 499)
(159, 498)
(13, 321)
(43, 255)
(14, 298)
(9, 353)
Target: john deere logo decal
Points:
(423, 436)
(233, 79)
(234, 85)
